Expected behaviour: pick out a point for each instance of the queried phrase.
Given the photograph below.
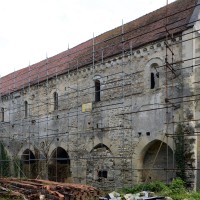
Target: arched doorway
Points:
(29, 166)
(100, 166)
(59, 165)
(158, 162)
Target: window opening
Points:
(97, 91)
(2, 114)
(152, 80)
(154, 76)
(148, 133)
(28, 157)
(26, 109)
(139, 134)
(60, 155)
(55, 95)
(102, 174)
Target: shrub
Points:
(177, 186)
(176, 190)
(156, 186)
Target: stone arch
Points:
(96, 141)
(62, 144)
(164, 161)
(29, 164)
(152, 61)
(28, 157)
(24, 147)
(100, 166)
(98, 77)
(59, 165)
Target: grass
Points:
(176, 190)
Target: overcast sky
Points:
(32, 29)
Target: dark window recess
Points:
(148, 133)
(97, 91)
(102, 174)
(152, 81)
(55, 97)
(61, 156)
(139, 134)
(28, 157)
(26, 109)
(2, 114)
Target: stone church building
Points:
(119, 109)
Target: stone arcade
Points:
(106, 112)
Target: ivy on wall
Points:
(180, 152)
(17, 168)
(4, 162)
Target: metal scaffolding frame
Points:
(41, 143)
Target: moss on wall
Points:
(180, 152)
(5, 162)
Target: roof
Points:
(144, 30)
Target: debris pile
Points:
(33, 189)
(139, 196)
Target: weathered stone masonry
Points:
(131, 111)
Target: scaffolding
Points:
(78, 119)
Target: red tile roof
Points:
(139, 32)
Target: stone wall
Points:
(107, 145)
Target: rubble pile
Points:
(139, 196)
(33, 189)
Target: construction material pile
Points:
(43, 189)
(144, 195)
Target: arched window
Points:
(28, 157)
(99, 167)
(59, 165)
(2, 114)
(154, 76)
(55, 97)
(152, 80)
(25, 109)
(97, 90)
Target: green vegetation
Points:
(176, 190)
(5, 162)
(180, 152)
(153, 187)
(17, 163)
